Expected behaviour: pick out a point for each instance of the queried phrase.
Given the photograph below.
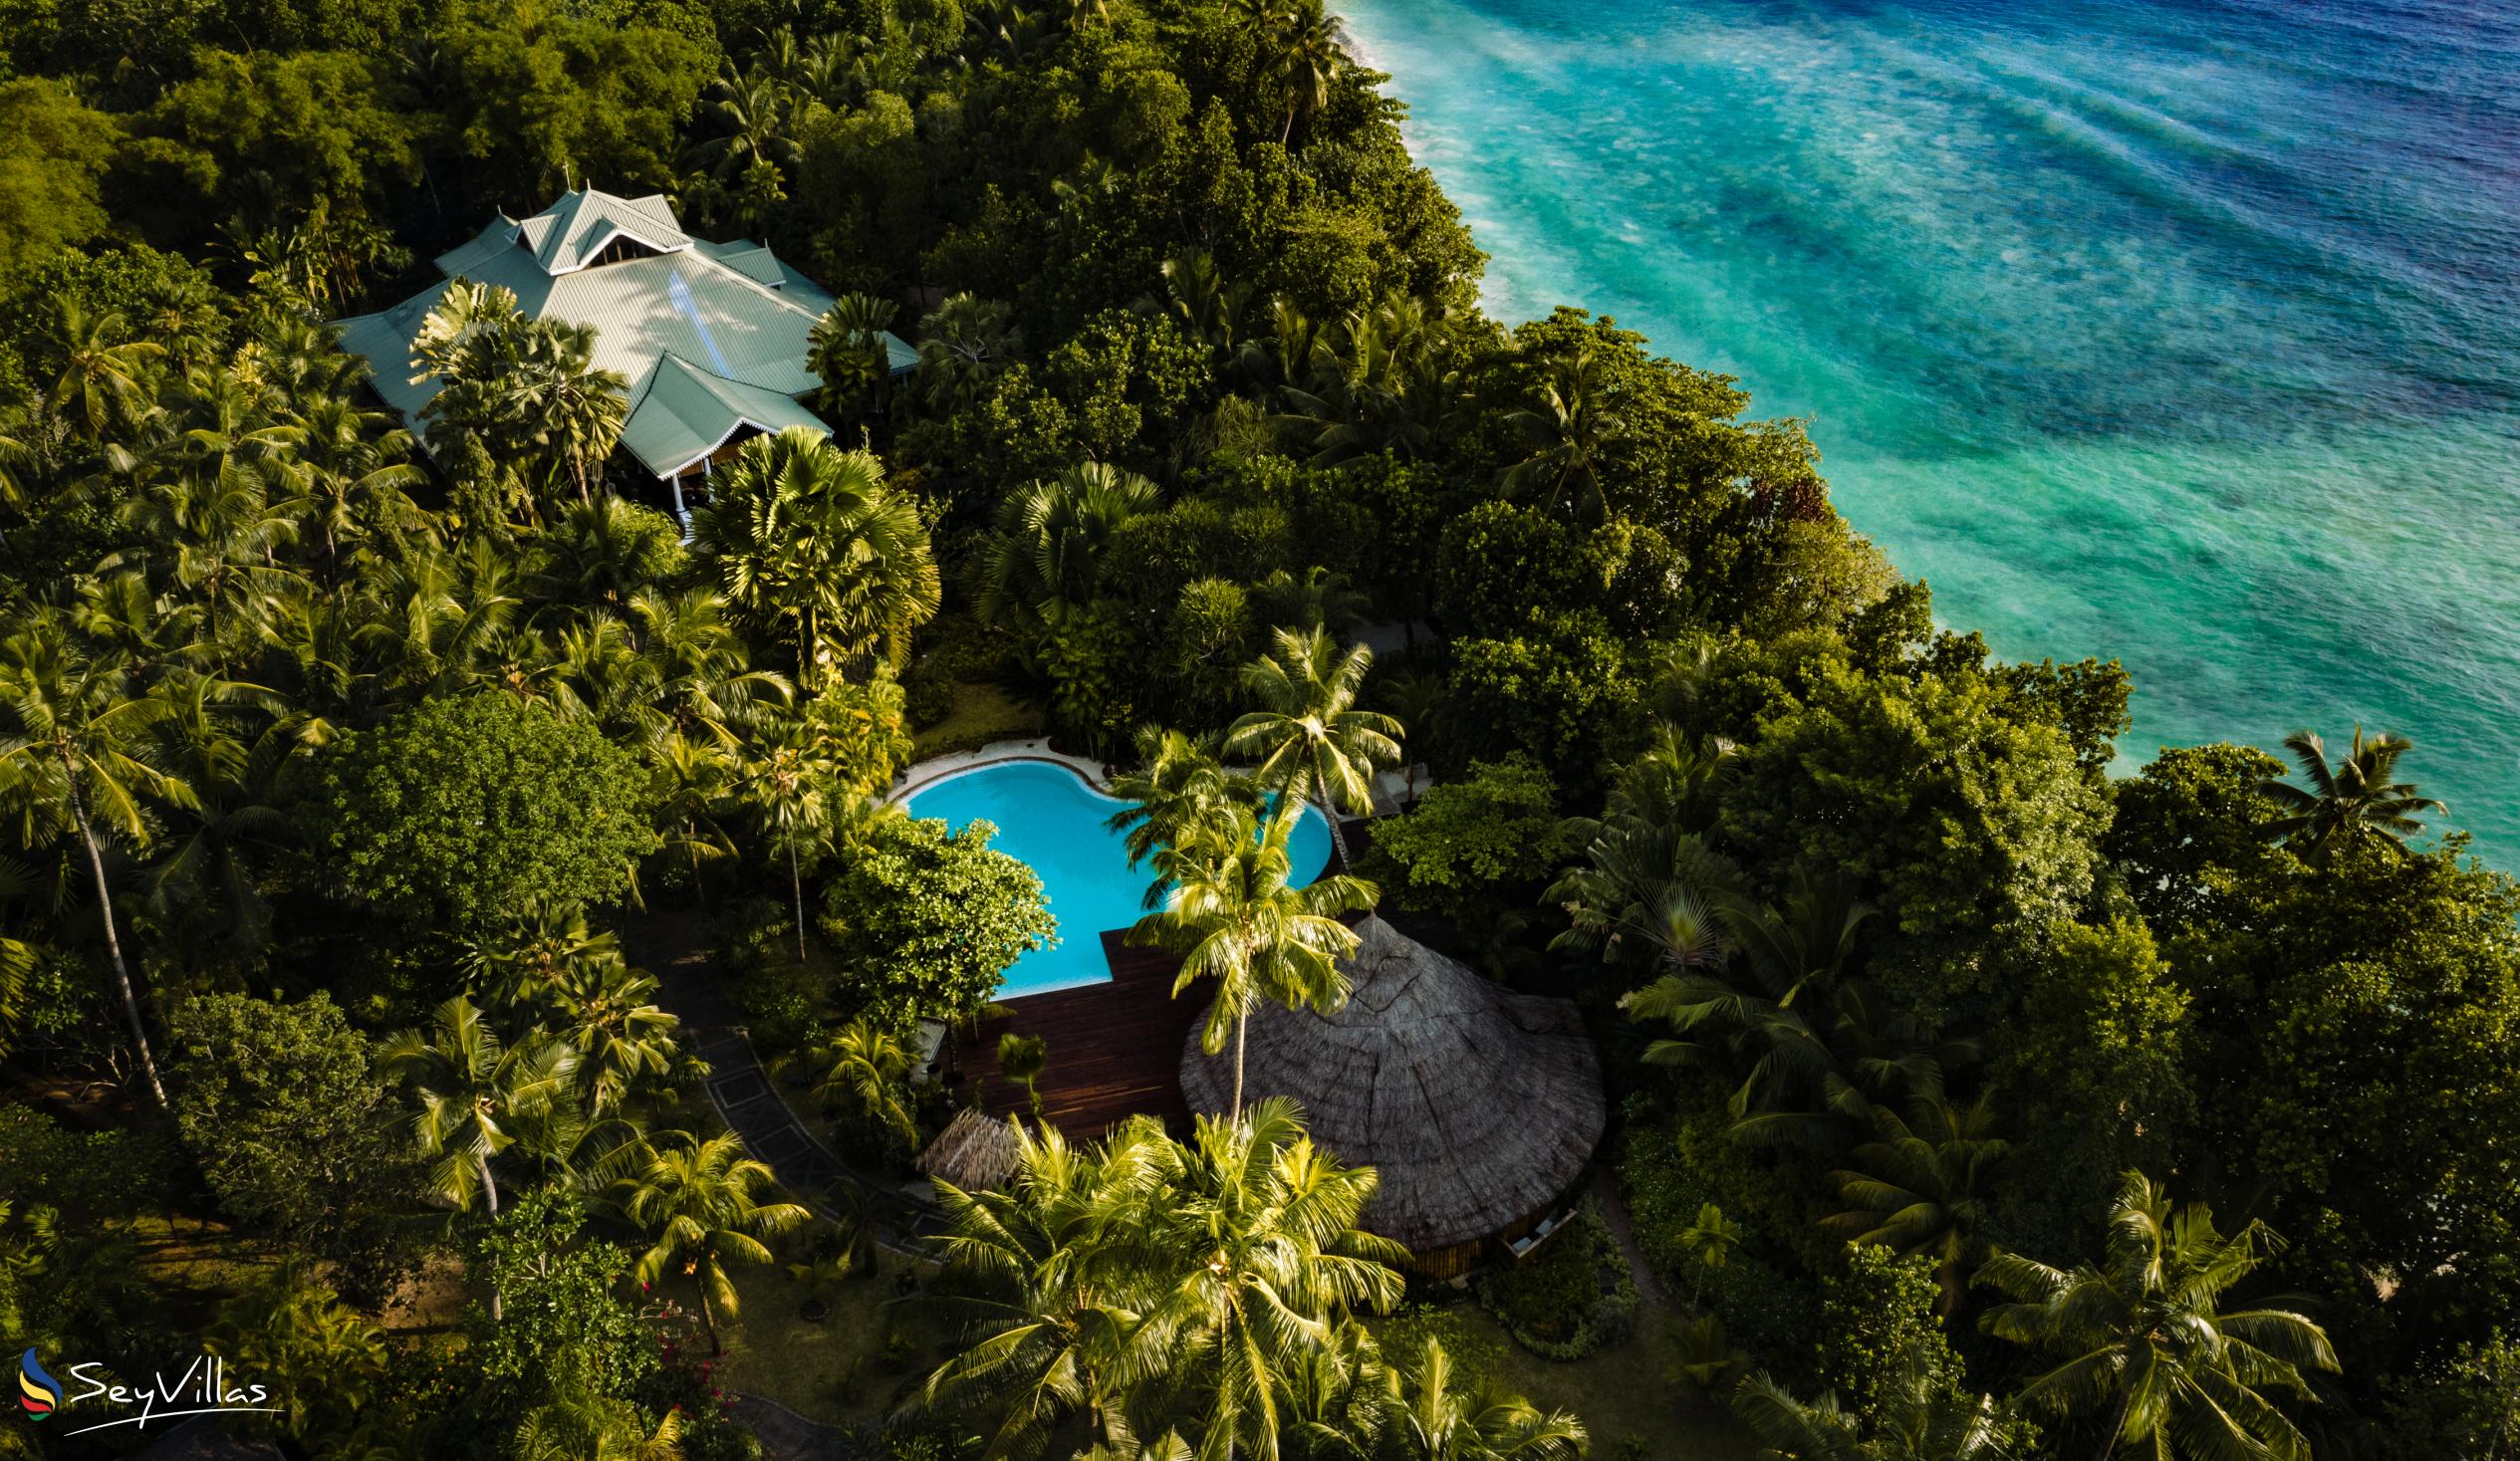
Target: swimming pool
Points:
(1047, 816)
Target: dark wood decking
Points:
(1114, 1049)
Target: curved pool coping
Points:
(1095, 774)
(920, 776)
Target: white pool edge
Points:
(921, 775)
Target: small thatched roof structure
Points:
(973, 1152)
(1478, 1107)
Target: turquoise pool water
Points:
(2185, 331)
(1049, 819)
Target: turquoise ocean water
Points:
(2187, 334)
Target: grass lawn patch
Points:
(982, 712)
(845, 1369)
(1620, 1390)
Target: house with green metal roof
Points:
(710, 335)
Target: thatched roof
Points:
(973, 1152)
(1477, 1106)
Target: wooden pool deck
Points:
(1113, 1050)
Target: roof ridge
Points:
(756, 286)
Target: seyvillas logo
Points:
(202, 1388)
(37, 1392)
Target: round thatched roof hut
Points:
(1478, 1107)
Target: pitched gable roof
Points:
(681, 413)
(569, 234)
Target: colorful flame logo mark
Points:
(37, 1391)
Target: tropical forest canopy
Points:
(1977, 1101)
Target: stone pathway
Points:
(788, 1436)
(740, 1089)
(673, 945)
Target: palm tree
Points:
(1299, 51)
(1649, 892)
(1021, 1058)
(521, 967)
(78, 754)
(1177, 782)
(520, 391)
(1919, 1186)
(598, 1429)
(1234, 919)
(790, 785)
(1919, 1416)
(2360, 800)
(805, 534)
(611, 1017)
(105, 376)
(1416, 700)
(962, 348)
(1568, 424)
(600, 552)
(753, 110)
(577, 411)
(1709, 1239)
(701, 1200)
(848, 349)
(1312, 740)
(865, 1070)
(205, 892)
(474, 1091)
(1315, 599)
(1256, 1228)
(695, 673)
(1047, 1279)
(1428, 1419)
(1044, 558)
(2146, 1339)
(350, 478)
(693, 779)
(471, 1087)
(1651, 883)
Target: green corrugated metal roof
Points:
(732, 312)
(752, 260)
(681, 413)
(575, 229)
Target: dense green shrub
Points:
(1876, 1317)
(923, 921)
(782, 1001)
(1572, 1299)
(1765, 1310)
(464, 810)
(1470, 846)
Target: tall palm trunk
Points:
(490, 1200)
(114, 941)
(1338, 839)
(796, 880)
(709, 1313)
(1242, 1026)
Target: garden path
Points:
(787, 1436)
(673, 947)
(1614, 1209)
